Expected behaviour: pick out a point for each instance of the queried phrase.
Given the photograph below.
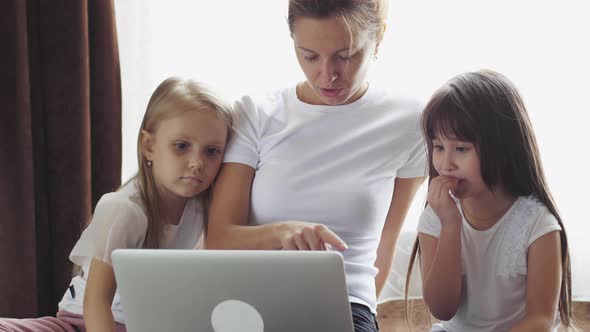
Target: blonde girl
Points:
(180, 147)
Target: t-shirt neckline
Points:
(303, 106)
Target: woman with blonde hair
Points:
(332, 162)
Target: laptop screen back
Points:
(231, 291)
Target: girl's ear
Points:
(147, 144)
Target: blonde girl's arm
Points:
(404, 192)
(543, 284)
(98, 297)
(229, 215)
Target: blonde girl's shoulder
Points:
(124, 207)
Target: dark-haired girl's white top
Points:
(494, 266)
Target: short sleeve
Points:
(243, 146)
(429, 222)
(416, 164)
(546, 223)
(118, 223)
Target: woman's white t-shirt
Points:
(494, 266)
(334, 165)
(120, 222)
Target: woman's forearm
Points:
(229, 236)
(442, 285)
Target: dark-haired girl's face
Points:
(458, 159)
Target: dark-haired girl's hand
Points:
(441, 201)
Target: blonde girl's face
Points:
(457, 159)
(186, 151)
(335, 71)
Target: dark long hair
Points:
(485, 108)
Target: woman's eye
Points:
(344, 58)
(310, 58)
(437, 147)
(461, 149)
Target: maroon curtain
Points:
(60, 140)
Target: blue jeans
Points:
(363, 319)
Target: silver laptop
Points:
(232, 291)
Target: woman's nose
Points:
(329, 72)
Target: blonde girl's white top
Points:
(119, 221)
(494, 266)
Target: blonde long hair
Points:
(172, 97)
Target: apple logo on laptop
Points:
(236, 316)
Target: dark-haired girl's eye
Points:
(181, 146)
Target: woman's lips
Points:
(330, 92)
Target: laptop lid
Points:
(231, 291)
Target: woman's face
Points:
(335, 71)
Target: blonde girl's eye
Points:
(213, 151)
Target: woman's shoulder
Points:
(400, 111)
(391, 98)
(262, 100)
(252, 111)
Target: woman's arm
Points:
(543, 284)
(98, 297)
(229, 216)
(403, 194)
